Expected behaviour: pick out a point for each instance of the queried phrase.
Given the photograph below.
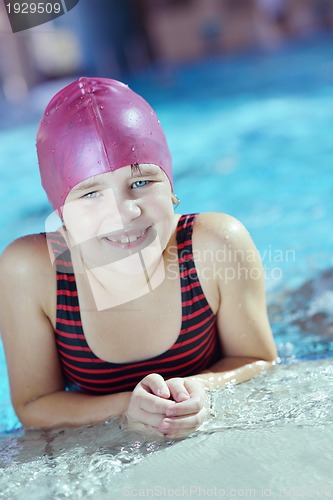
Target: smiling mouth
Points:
(126, 239)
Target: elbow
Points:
(266, 360)
(30, 417)
(26, 417)
(266, 363)
(273, 360)
(270, 356)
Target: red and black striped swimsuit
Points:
(196, 348)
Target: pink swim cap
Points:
(94, 126)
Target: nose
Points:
(129, 210)
(118, 211)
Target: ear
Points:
(175, 200)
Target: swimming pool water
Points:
(272, 433)
(251, 136)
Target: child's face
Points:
(116, 214)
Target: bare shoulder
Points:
(25, 255)
(219, 230)
(26, 263)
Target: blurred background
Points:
(120, 38)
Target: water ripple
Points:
(85, 462)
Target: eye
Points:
(92, 194)
(138, 184)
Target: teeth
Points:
(127, 238)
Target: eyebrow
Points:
(138, 170)
(88, 184)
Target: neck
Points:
(110, 287)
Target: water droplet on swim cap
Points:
(127, 131)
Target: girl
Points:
(127, 309)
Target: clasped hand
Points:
(174, 407)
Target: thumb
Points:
(156, 384)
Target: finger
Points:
(191, 406)
(183, 426)
(178, 390)
(146, 408)
(193, 387)
(156, 384)
(154, 404)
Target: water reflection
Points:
(85, 462)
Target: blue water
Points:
(252, 136)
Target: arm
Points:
(232, 371)
(27, 282)
(27, 301)
(246, 339)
